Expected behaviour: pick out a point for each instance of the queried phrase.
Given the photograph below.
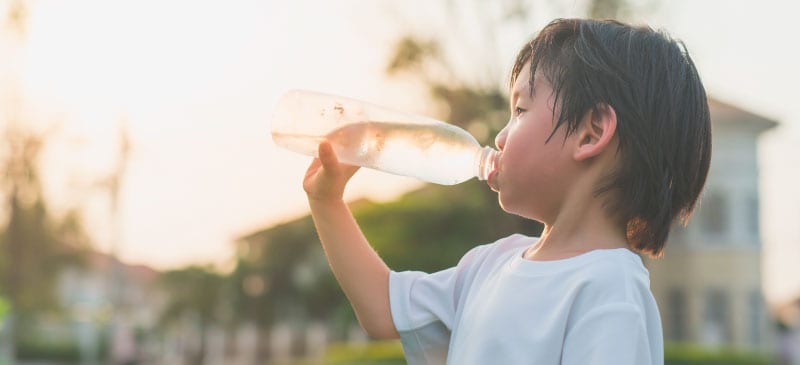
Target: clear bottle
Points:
(376, 137)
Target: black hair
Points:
(663, 121)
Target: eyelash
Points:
(518, 111)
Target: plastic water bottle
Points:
(376, 137)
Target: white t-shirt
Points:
(496, 307)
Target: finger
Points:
(315, 165)
(327, 156)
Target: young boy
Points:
(608, 143)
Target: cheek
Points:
(521, 200)
(531, 181)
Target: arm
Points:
(361, 273)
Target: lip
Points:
(491, 180)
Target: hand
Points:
(326, 178)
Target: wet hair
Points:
(663, 121)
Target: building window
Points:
(752, 217)
(716, 325)
(755, 309)
(714, 210)
(677, 312)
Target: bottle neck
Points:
(485, 162)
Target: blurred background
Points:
(146, 217)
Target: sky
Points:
(194, 83)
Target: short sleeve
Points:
(421, 314)
(424, 308)
(610, 334)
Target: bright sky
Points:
(196, 83)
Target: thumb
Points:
(327, 156)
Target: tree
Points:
(195, 293)
(35, 246)
(475, 97)
(430, 229)
(282, 274)
(474, 100)
(608, 9)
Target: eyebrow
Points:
(527, 89)
(512, 100)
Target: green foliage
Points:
(193, 290)
(431, 228)
(49, 348)
(5, 308)
(65, 352)
(61, 351)
(428, 229)
(478, 100)
(482, 111)
(608, 9)
(290, 273)
(374, 352)
(688, 354)
(391, 352)
(34, 246)
(410, 54)
(30, 245)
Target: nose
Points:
(500, 140)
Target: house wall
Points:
(708, 283)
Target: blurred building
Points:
(708, 284)
(290, 300)
(788, 314)
(112, 306)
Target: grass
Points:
(391, 353)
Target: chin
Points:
(515, 209)
(507, 206)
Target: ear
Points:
(596, 131)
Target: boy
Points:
(609, 141)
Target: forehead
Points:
(522, 83)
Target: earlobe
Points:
(596, 131)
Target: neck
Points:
(582, 225)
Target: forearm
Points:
(361, 273)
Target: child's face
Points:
(531, 173)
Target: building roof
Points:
(726, 114)
(140, 273)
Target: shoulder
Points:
(498, 249)
(614, 276)
(483, 260)
(613, 307)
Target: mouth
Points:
(491, 180)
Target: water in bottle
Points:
(404, 144)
